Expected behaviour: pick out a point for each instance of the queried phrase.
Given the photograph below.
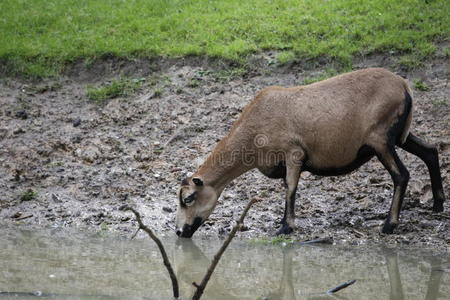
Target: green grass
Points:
(157, 92)
(40, 37)
(278, 240)
(115, 88)
(28, 195)
(285, 57)
(322, 76)
(440, 103)
(447, 52)
(228, 74)
(420, 86)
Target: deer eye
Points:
(188, 200)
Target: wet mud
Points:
(68, 162)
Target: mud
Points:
(68, 162)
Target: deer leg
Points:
(293, 167)
(429, 155)
(285, 205)
(400, 176)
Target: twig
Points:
(24, 217)
(135, 233)
(172, 138)
(341, 286)
(326, 240)
(161, 249)
(201, 287)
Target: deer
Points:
(328, 128)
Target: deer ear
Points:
(197, 181)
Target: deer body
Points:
(328, 128)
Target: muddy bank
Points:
(65, 161)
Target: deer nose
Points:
(179, 232)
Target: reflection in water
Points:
(73, 266)
(396, 286)
(435, 279)
(285, 290)
(286, 285)
(190, 266)
(395, 281)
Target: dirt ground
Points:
(65, 161)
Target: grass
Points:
(278, 240)
(115, 88)
(28, 195)
(410, 62)
(420, 86)
(40, 37)
(228, 74)
(447, 52)
(193, 83)
(322, 76)
(440, 103)
(104, 226)
(157, 92)
(285, 57)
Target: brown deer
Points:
(328, 128)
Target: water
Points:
(66, 265)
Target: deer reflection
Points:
(286, 287)
(395, 281)
(435, 279)
(190, 266)
(396, 292)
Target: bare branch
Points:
(201, 287)
(166, 261)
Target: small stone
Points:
(56, 199)
(167, 209)
(3, 133)
(22, 114)
(19, 131)
(16, 215)
(243, 228)
(76, 122)
(88, 154)
(125, 219)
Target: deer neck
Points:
(224, 164)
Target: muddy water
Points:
(71, 265)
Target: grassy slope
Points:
(37, 37)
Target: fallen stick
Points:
(441, 270)
(326, 240)
(166, 261)
(23, 217)
(341, 286)
(201, 287)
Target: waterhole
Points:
(58, 264)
